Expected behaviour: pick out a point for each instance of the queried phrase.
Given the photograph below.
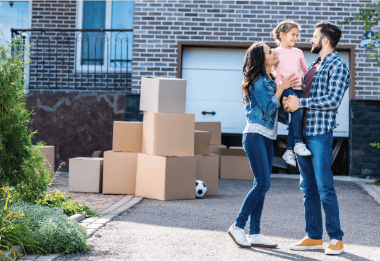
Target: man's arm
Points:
(339, 79)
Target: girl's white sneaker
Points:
(290, 158)
(239, 237)
(258, 240)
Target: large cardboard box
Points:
(49, 158)
(215, 129)
(127, 136)
(234, 164)
(119, 176)
(202, 142)
(168, 134)
(166, 178)
(208, 172)
(166, 95)
(85, 174)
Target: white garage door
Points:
(213, 85)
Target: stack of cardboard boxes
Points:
(159, 158)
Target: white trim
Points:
(27, 43)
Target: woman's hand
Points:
(288, 82)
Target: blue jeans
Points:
(259, 150)
(295, 125)
(317, 184)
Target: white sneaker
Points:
(300, 149)
(259, 240)
(238, 236)
(290, 158)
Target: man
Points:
(325, 84)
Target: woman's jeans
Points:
(295, 125)
(259, 150)
(317, 183)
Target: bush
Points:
(53, 232)
(21, 163)
(68, 205)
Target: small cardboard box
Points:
(85, 174)
(215, 149)
(234, 164)
(127, 136)
(48, 152)
(202, 142)
(167, 95)
(166, 178)
(213, 127)
(208, 172)
(168, 134)
(119, 176)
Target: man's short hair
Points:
(331, 31)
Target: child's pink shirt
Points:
(290, 61)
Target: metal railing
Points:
(78, 59)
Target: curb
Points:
(94, 223)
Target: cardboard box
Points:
(208, 172)
(166, 178)
(215, 129)
(85, 174)
(168, 134)
(234, 164)
(49, 158)
(202, 142)
(215, 149)
(127, 136)
(119, 176)
(167, 95)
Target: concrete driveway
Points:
(196, 229)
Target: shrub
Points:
(54, 233)
(21, 163)
(68, 205)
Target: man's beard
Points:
(316, 49)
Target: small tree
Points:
(369, 14)
(21, 164)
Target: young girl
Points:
(291, 60)
(262, 103)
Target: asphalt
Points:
(196, 229)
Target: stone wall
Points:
(159, 25)
(364, 129)
(77, 124)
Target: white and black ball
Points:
(200, 188)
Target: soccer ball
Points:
(200, 188)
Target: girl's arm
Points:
(303, 63)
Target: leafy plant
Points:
(21, 163)
(54, 233)
(68, 205)
(16, 229)
(375, 144)
(370, 15)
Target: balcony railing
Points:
(75, 59)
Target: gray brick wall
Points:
(160, 24)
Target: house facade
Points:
(88, 74)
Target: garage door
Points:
(213, 88)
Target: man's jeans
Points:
(259, 150)
(318, 184)
(295, 125)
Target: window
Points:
(101, 48)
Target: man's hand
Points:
(291, 103)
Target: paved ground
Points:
(196, 229)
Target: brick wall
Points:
(53, 65)
(159, 25)
(365, 124)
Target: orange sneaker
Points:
(307, 244)
(335, 247)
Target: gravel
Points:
(196, 229)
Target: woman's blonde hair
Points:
(284, 27)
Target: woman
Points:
(262, 100)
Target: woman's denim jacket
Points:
(263, 104)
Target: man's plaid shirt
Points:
(327, 90)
